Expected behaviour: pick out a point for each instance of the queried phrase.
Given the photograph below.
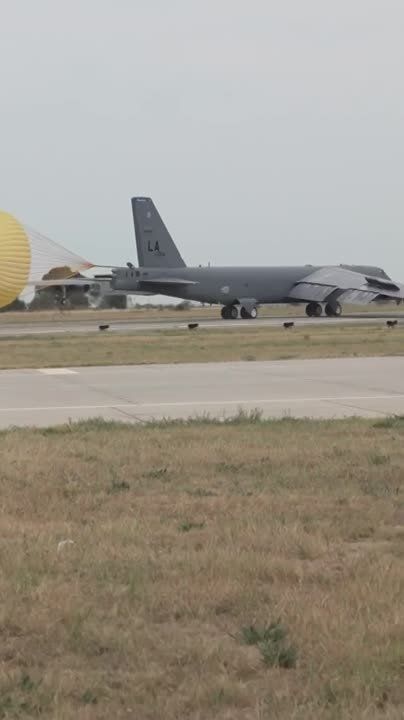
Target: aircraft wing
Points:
(346, 286)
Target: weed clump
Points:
(395, 422)
(272, 644)
(188, 526)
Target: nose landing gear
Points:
(314, 309)
(333, 309)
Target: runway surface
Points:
(368, 387)
(67, 325)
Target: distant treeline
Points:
(76, 299)
(15, 306)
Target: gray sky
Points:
(267, 132)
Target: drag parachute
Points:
(27, 257)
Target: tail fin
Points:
(155, 246)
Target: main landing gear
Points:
(233, 312)
(314, 309)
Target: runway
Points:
(368, 387)
(67, 325)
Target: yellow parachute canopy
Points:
(27, 257)
(15, 259)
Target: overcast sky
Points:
(267, 132)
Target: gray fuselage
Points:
(221, 285)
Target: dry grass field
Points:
(203, 571)
(105, 315)
(170, 313)
(174, 346)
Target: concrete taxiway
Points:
(367, 387)
(67, 325)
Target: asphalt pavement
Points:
(67, 325)
(332, 388)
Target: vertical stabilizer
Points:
(155, 246)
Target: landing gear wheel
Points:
(334, 310)
(229, 312)
(314, 309)
(249, 314)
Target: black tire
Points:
(314, 309)
(248, 314)
(334, 310)
(234, 312)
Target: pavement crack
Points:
(108, 395)
(352, 406)
(129, 415)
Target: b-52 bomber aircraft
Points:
(241, 290)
